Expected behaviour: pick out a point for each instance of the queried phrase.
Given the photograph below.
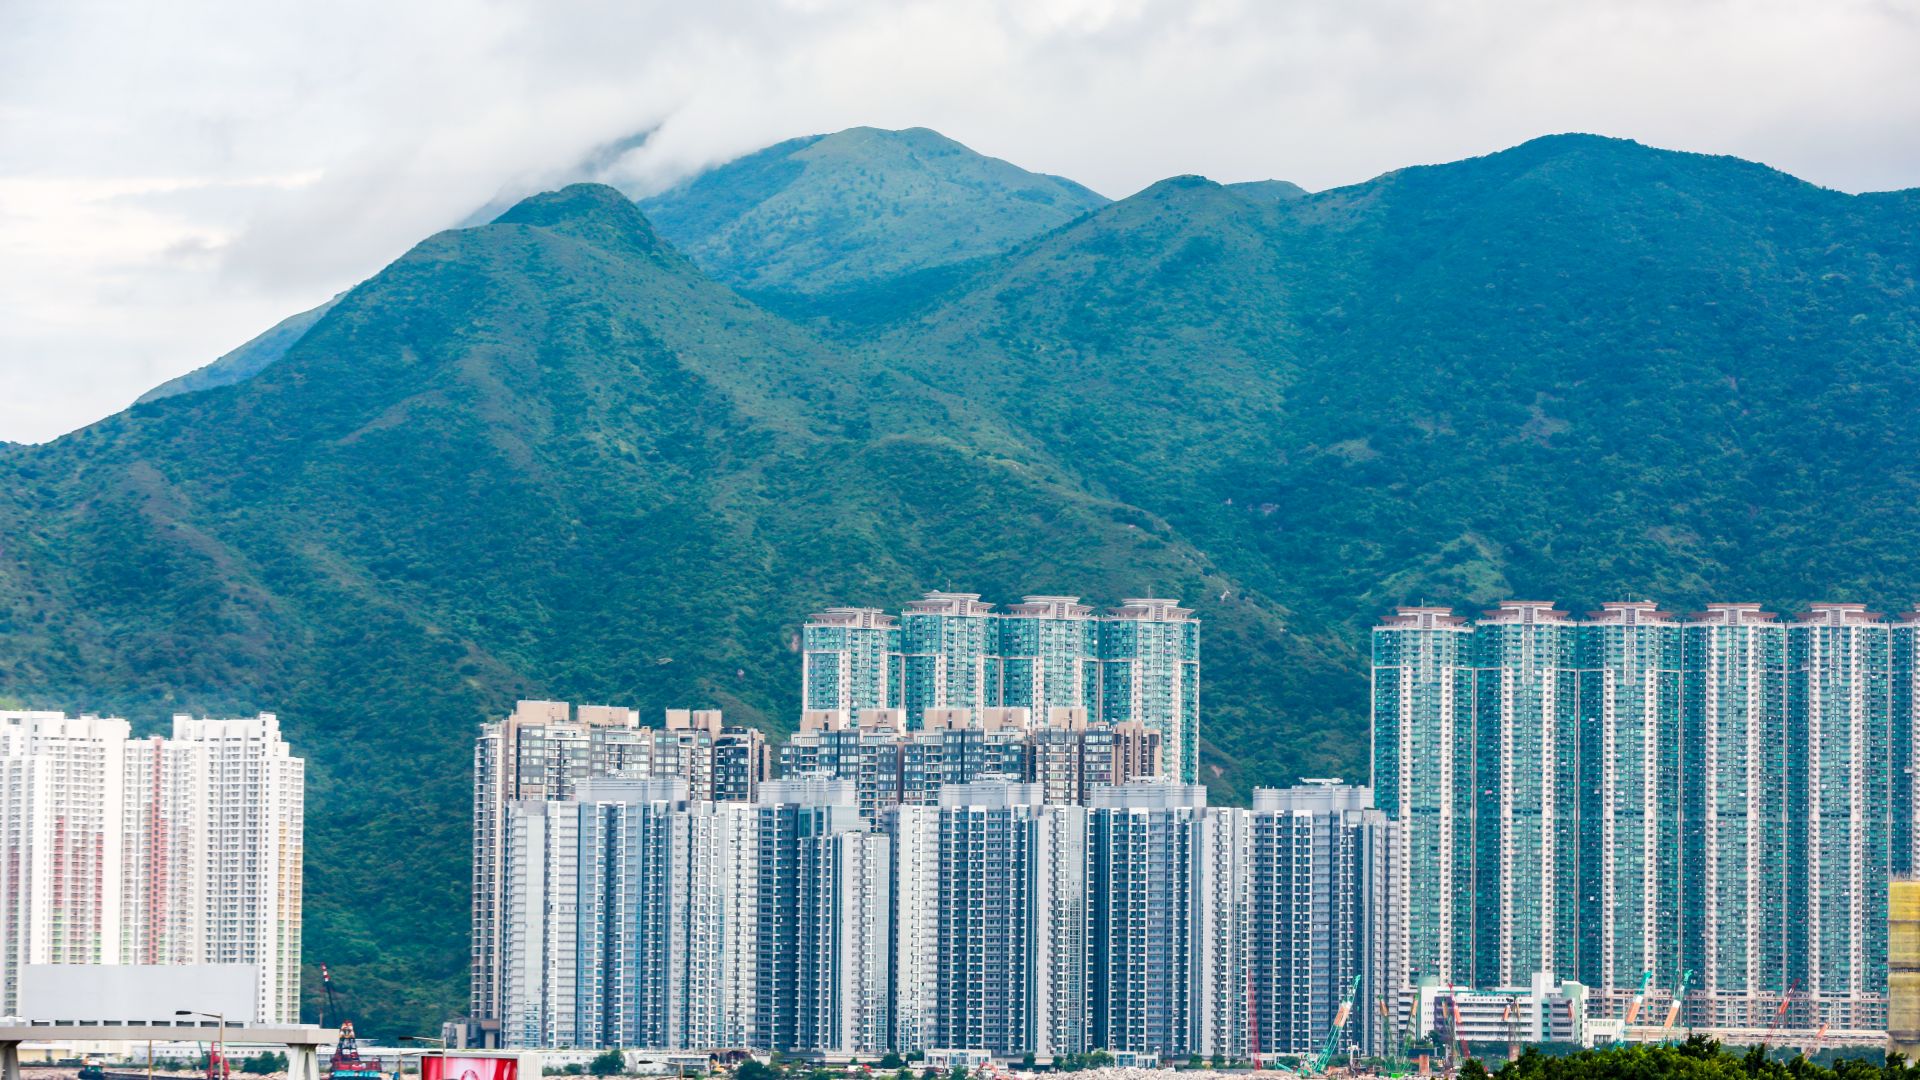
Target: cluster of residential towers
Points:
(986, 837)
(1636, 798)
(123, 850)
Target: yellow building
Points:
(1903, 967)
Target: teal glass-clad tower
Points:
(1424, 779)
(1526, 751)
(1049, 652)
(1628, 797)
(850, 661)
(1839, 781)
(1735, 925)
(1628, 659)
(1135, 663)
(947, 643)
(1150, 672)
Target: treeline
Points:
(1699, 1058)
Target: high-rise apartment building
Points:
(1319, 923)
(1424, 778)
(990, 919)
(1150, 674)
(822, 937)
(1142, 873)
(850, 660)
(1734, 915)
(947, 645)
(1224, 875)
(1630, 796)
(1629, 659)
(246, 857)
(1138, 663)
(547, 751)
(1049, 654)
(639, 918)
(1840, 786)
(185, 850)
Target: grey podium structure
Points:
(303, 1041)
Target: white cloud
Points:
(175, 178)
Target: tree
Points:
(1219, 1061)
(1473, 1070)
(610, 1063)
(754, 1070)
(1194, 1062)
(891, 1061)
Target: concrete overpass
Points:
(303, 1041)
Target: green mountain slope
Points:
(545, 457)
(244, 362)
(828, 213)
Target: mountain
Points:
(828, 213)
(553, 456)
(545, 457)
(244, 362)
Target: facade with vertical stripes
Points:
(1632, 796)
(181, 850)
(951, 653)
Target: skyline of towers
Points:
(1136, 662)
(1636, 792)
(1145, 921)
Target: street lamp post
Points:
(219, 1039)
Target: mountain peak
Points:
(824, 213)
(1182, 183)
(595, 213)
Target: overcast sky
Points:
(176, 177)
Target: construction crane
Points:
(1395, 1048)
(1679, 997)
(346, 1062)
(1780, 1013)
(1459, 1036)
(1337, 1029)
(1639, 997)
